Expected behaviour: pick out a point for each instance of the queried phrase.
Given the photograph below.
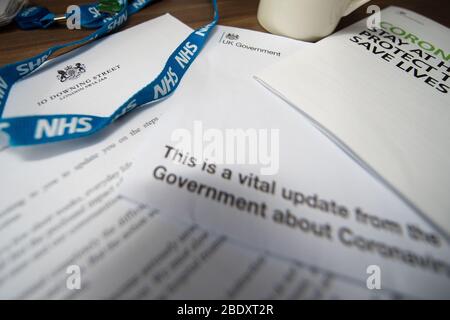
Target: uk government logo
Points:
(232, 36)
(71, 72)
(232, 39)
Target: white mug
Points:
(308, 20)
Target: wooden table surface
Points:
(16, 44)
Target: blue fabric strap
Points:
(38, 129)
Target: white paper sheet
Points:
(46, 189)
(377, 99)
(116, 67)
(310, 164)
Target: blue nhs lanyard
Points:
(38, 129)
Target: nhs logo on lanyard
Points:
(170, 80)
(55, 127)
(26, 68)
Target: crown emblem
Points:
(71, 72)
(232, 36)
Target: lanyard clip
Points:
(110, 6)
(61, 18)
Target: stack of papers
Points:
(137, 218)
